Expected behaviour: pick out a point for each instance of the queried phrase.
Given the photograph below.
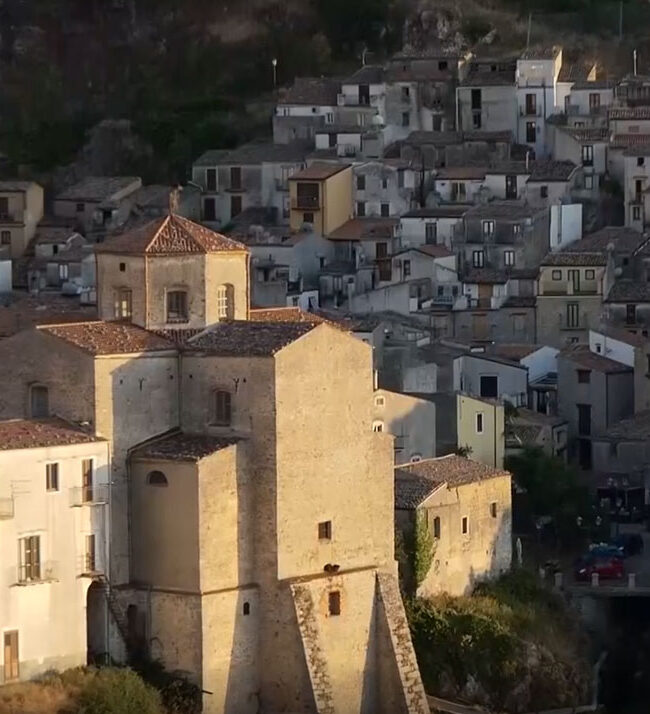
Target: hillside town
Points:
(228, 406)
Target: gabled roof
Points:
(108, 338)
(243, 338)
(622, 335)
(370, 74)
(40, 433)
(98, 188)
(513, 351)
(563, 258)
(506, 210)
(629, 291)
(541, 52)
(316, 91)
(170, 235)
(455, 211)
(16, 186)
(183, 447)
(629, 113)
(414, 483)
(365, 229)
(593, 134)
(256, 153)
(584, 357)
(287, 314)
(318, 171)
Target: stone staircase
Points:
(400, 636)
(316, 663)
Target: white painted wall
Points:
(566, 225)
(50, 616)
(5, 276)
(540, 362)
(611, 348)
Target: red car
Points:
(607, 567)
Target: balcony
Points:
(35, 573)
(89, 566)
(443, 300)
(6, 508)
(89, 495)
(530, 111)
(10, 218)
(306, 203)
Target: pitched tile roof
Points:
(318, 171)
(370, 74)
(636, 428)
(435, 250)
(584, 357)
(487, 78)
(108, 338)
(507, 210)
(39, 433)
(184, 447)
(17, 186)
(622, 335)
(461, 172)
(98, 188)
(594, 134)
(20, 311)
(243, 338)
(513, 351)
(564, 258)
(365, 229)
(541, 52)
(317, 91)
(551, 170)
(456, 211)
(414, 483)
(485, 276)
(169, 235)
(575, 71)
(624, 240)
(256, 152)
(520, 301)
(629, 291)
(286, 314)
(629, 113)
(625, 141)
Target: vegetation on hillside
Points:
(511, 646)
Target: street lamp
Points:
(274, 62)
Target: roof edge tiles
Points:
(18, 434)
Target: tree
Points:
(349, 24)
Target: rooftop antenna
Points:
(530, 22)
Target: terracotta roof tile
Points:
(318, 171)
(317, 91)
(414, 483)
(22, 311)
(513, 351)
(561, 259)
(242, 338)
(107, 338)
(628, 291)
(365, 229)
(286, 314)
(98, 188)
(184, 447)
(584, 357)
(39, 433)
(169, 235)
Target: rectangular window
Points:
(487, 228)
(308, 218)
(30, 558)
(476, 100)
(590, 274)
(176, 306)
(385, 210)
(640, 160)
(361, 209)
(81, 207)
(465, 525)
(235, 206)
(493, 509)
(531, 132)
(235, 178)
(123, 306)
(407, 268)
(589, 182)
(479, 423)
(594, 101)
(211, 179)
(87, 481)
(5, 238)
(630, 314)
(209, 209)
(556, 275)
(584, 419)
(52, 477)
(406, 119)
(63, 271)
(543, 191)
(400, 178)
(584, 376)
(334, 602)
(458, 191)
(90, 555)
(222, 407)
(587, 155)
(636, 213)
(431, 233)
(384, 183)
(329, 118)
(361, 183)
(11, 658)
(436, 527)
(531, 104)
(478, 258)
(489, 386)
(381, 251)
(325, 530)
(4, 207)
(509, 258)
(573, 314)
(406, 94)
(476, 120)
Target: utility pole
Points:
(530, 22)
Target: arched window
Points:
(39, 401)
(177, 306)
(226, 302)
(157, 478)
(247, 608)
(377, 425)
(222, 408)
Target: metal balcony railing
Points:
(39, 572)
(90, 565)
(6, 508)
(96, 495)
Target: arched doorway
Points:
(96, 625)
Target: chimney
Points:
(634, 59)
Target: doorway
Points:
(96, 625)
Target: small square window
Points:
(584, 376)
(465, 525)
(590, 274)
(325, 530)
(122, 267)
(52, 477)
(380, 401)
(640, 160)
(556, 275)
(334, 602)
(493, 509)
(81, 207)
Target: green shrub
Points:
(118, 691)
(475, 29)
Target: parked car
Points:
(607, 567)
(631, 543)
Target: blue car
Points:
(606, 550)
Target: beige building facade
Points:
(467, 507)
(321, 196)
(411, 421)
(21, 208)
(54, 535)
(481, 429)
